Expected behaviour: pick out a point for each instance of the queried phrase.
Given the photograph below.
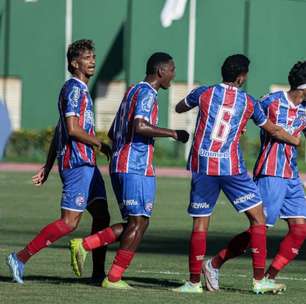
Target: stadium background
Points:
(126, 32)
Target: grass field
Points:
(160, 264)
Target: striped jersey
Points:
(133, 153)
(277, 158)
(223, 113)
(75, 100)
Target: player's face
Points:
(86, 63)
(167, 74)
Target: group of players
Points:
(215, 161)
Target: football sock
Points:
(236, 247)
(101, 238)
(121, 263)
(288, 250)
(197, 250)
(258, 250)
(46, 237)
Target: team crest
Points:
(149, 207)
(80, 200)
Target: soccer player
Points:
(216, 164)
(132, 173)
(73, 144)
(276, 168)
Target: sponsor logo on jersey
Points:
(74, 96)
(200, 205)
(89, 117)
(130, 203)
(244, 198)
(147, 102)
(206, 153)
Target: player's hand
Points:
(41, 176)
(243, 131)
(182, 136)
(297, 140)
(106, 150)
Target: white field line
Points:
(222, 275)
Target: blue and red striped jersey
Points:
(75, 100)
(277, 158)
(223, 113)
(133, 153)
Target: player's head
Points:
(161, 66)
(297, 77)
(81, 57)
(235, 69)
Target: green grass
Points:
(161, 263)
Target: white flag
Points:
(5, 127)
(172, 10)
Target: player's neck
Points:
(81, 77)
(152, 81)
(295, 96)
(232, 84)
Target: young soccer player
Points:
(73, 144)
(276, 168)
(216, 164)
(132, 173)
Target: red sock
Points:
(121, 263)
(258, 249)
(46, 237)
(197, 250)
(289, 249)
(236, 247)
(99, 239)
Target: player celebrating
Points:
(216, 163)
(73, 142)
(132, 173)
(276, 168)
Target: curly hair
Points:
(76, 48)
(297, 75)
(233, 66)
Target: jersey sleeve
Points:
(193, 98)
(264, 102)
(73, 99)
(259, 117)
(144, 104)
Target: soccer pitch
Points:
(160, 264)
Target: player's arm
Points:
(144, 128)
(42, 175)
(182, 107)
(280, 134)
(76, 132)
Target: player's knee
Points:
(71, 223)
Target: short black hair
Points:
(76, 48)
(233, 66)
(297, 75)
(155, 61)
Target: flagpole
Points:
(68, 33)
(190, 66)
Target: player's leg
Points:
(294, 212)
(136, 204)
(203, 196)
(102, 234)
(245, 197)
(48, 235)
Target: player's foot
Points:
(97, 280)
(189, 287)
(16, 267)
(267, 286)
(78, 256)
(211, 276)
(115, 285)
